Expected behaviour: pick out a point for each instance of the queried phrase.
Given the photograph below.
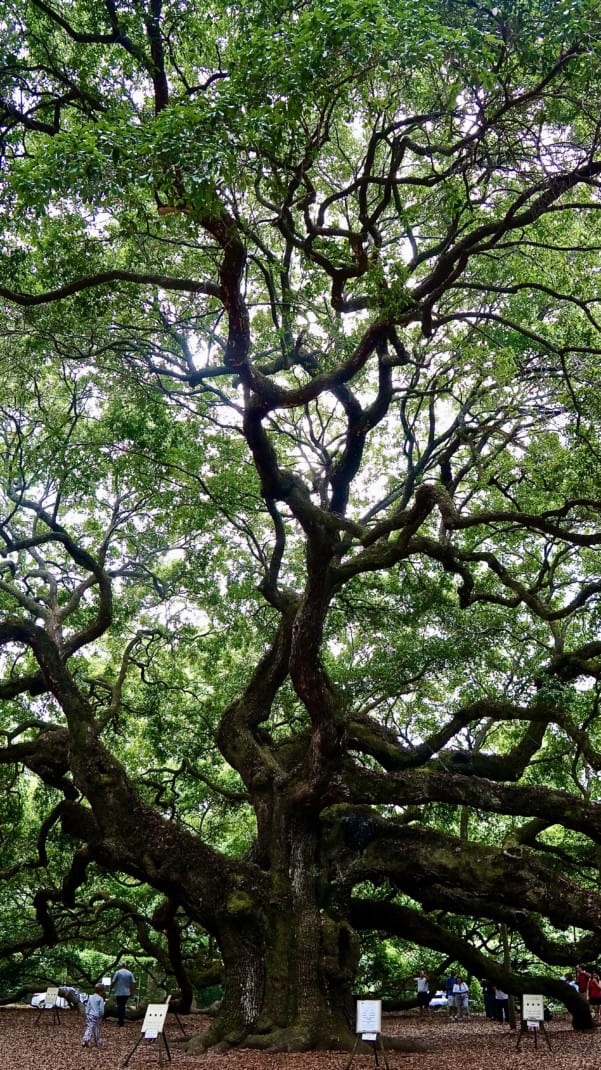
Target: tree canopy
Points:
(299, 499)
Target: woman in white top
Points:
(461, 996)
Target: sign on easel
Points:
(369, 1018)
(153, 1028)
(533, 1008)
(154, 1020)
(533, 1019)
(369, 1027)
(50, 1003)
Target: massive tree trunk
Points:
(294, 993)
(289, 964)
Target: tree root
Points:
(295, 1039)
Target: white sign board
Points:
(369, 1016)
(533, 1008)
(154, 1020)
(106, 982)
(50, 998)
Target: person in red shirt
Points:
(594, 994)
(582, 980)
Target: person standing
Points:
(582, 980)
(123, 986)
(490, 1001)
(423, 992)
(461, 996)
(94, 1016)
(502, 1002)
(448, 988)
(594, 994)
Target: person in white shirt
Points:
(461, 997)
(502, 1001)
(423, 992)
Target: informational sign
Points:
(50, 1001)
(533, 1020)
(153, 1029)
(533, 1009)
(154, 1020)
(106, 982)
(369, 1017)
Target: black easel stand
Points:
(160, 1037)
(180, 1023)
(55, 1015)
(524, 1030)
(376, 1042)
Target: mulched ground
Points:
(473, 1045)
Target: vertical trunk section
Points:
(289, 964)
(244, 989)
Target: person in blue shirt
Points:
(448, 989)
(123, 986)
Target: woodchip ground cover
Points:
(26, 1044)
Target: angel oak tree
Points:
(304, 295)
